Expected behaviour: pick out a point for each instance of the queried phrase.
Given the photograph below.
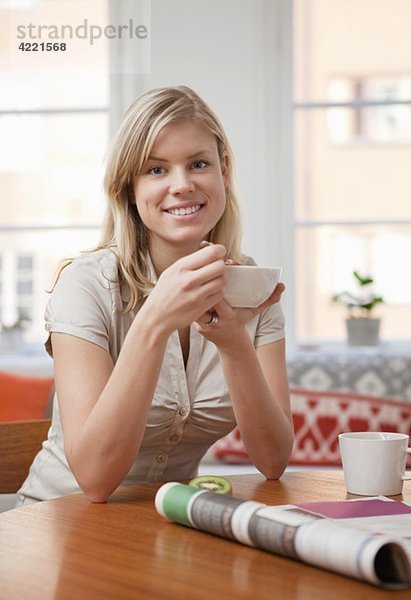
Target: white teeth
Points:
(184, 211)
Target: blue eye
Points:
(200, 164)
(156, 170)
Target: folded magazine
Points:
(367, 539)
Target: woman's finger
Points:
(208, 319)
(275, 297)
(224, 310)
(204, 256)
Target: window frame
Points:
(292, 225)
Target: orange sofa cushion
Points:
(23, 398)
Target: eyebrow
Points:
(198, 153)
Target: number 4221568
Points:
(42, 47)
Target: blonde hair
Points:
(123, 228)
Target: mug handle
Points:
(405, 477)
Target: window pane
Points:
(51, 168)
(24, 263)
(70, 79)
(349, 38)
(28, 295)
(379, 124)
(328, 255)
(345, 181)
(24, 288)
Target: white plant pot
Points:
(362, 331)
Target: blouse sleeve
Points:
(80, 303)
(270, 326)
(271, 321)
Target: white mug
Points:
(374, 462)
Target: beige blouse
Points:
(191, 406)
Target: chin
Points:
(190, 238)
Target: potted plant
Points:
(362, 328)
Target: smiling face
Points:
(180, 191)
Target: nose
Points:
(181, 182)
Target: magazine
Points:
(367, 539)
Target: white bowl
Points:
(250, 286)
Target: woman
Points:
(151, 364)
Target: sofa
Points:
(318, 418)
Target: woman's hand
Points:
(257, 383)
(189, 288)
(231, 321)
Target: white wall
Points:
(235, 54)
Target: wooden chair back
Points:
(19, 443)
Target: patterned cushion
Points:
(319, 417)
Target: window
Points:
(383, 123)
(54, 127)
(17, 287)
(24, 287)
(352, 137)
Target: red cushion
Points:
(23, 398)
(319, 417)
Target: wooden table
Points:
(70, 548)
